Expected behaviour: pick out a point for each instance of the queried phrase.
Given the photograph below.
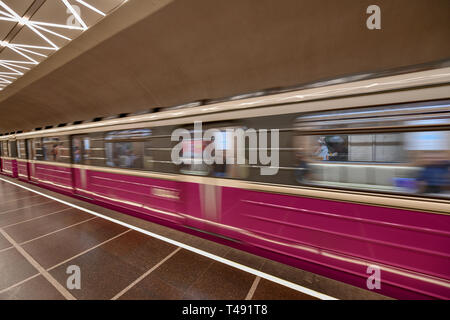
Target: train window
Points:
(224, 153)
(157, 150)
(191, 150)
(12, 149)
(124, 154)
(30, 151)
(37, 149)
(56, 149)
(88, 150)
(21, 149)
(149, 150)
(5, 152)
(382, 147)
(50, 148)
(125, 149)
(77, 150)
(225, 143)
(389, 151)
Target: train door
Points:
(28, 145)
(22, 160)
(82, 157)
(79, 174)
(206, 199)
(1, 156)
(13, 156)
(35, 154)
(5, 155)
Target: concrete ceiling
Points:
(160, 53)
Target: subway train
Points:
(360, 182)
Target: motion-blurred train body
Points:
(362, 181)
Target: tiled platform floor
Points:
(40, 238)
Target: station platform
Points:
(43, 233)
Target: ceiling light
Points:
(27, 53)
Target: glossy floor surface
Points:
(44, 243)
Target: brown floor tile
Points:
(245, 258)
(7, 187)
(15, 198)
(110, 268)
(288, 273)
(268, 290)
(14, 268)
(153, 289)
(221, 281)
(15, 195)
(35, 289)
(181, 271)
(318, 283)
(206, 245)
(29, 213)
(4, 243)
(55, 248)
(29, 230)
(8, 206)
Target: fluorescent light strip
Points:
(26, 22)
(41, 35)
(54, 33)
(230, 263)
(56, 25)
(24, 55)
(8, 19)
(16, 61)
(75, 14)
(31, 46)
(29, 25)
(17, 72)
(30, 51)
(91, 7)
(12, 12)
(8, 14)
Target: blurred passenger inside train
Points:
(332, 148)
(55, 151)
(303, 170)
(322, 150)
(77, 154)
(434, 176)
(338, 148)
(220, 169)
(129, 159)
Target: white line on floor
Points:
(38, 267)
(131, 285)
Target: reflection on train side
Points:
(409, 151)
